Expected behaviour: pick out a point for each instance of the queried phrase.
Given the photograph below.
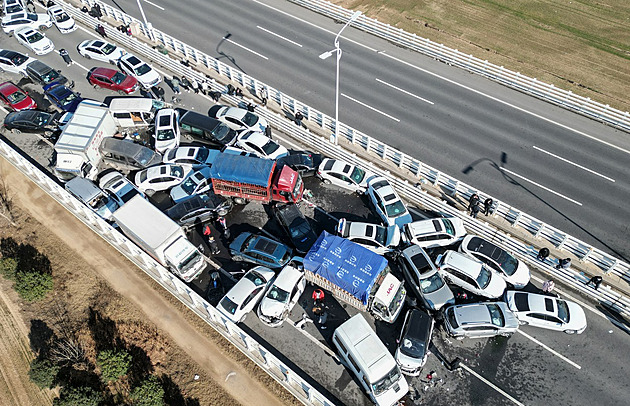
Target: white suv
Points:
(387, 203)
(167, 133)
(436, 232)
(146, 75)
(470, 274)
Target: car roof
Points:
(288, 277)
(526, 301)
(473, 313)
(132, 59)
(162, 169)
(362, 229)
(419, 324)
(8, 86)
(335, 165)
(265, 245)
(27, 31)
(38, 66)
(422, 227)
(198, 120)
(462, 262)
(109, 72)
(420, 259)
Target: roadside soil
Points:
(93, 281)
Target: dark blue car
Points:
(259, 250)
(62, 97)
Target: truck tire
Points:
(240, 200)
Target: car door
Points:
(94, 52)
(234, 123)
(480, 331)
(104, 82)
(22, 40)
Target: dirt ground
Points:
(581, 46)
(105, 298)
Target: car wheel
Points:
(43, 27)
(16, 131)
(524, 323)
(570, 331)
(326, 181)
(86, 56)
(122, 93)
(237, 258)
(48, 133)
(149, 192)
(188, 137)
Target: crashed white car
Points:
(283, 294)
(62, 20)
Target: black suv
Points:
(296, 226)
(43, 74)
(204, 207)
(205, 129)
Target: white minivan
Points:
(366, 355)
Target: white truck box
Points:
(77, 147)
(160, 237)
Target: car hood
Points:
(129, 82)
(496, 287)
(151, 77)
(521, 277)
(407, 362)
(577, 318)
(400, 221)
(271, 308)
(393, 236)
(441, 297)
(238, 242)
(25, 104)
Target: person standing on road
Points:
(543, 254)
(264, 96)
(548, 286)
(194, 85)
(101, 30)
(318, 296)
(66, 56)
(175, 85)
(214, 247)
(487, 205)
(474, 210)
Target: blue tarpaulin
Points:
(345, 264)
(244, 169)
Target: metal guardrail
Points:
(422, 172)
(269, 363)
(532, 86)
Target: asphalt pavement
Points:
(562, 168)
(532, 367)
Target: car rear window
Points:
(521, 302)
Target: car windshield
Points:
(19, 59)
(62, 17)
(177, 171)
(31, 16)
(448, 225)
(34, 38)
(431, 284)
(396, 301)
(42, 118)
(381, 235)
(69, 98)
(563, 311)
(484, 277)
(108, 49)
(496, 315)
(50, 76)
(386, 382)
(508, 263)
(228, 305)
(144, 156)
(413, 347)
(126, 196)
(395, 209)
(299, 228)
(164, 135)
(270, 147)
(277, 294)
(250, 119)
(255, 278)
(221, 132)
(189, 185)
(16, 97)
(357, 174)
(297, 188)
(118, 78)
(202, 154)
(249, 241)
(142, 69)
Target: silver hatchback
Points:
(478, 320)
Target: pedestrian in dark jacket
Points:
(543, 254)
(473, 201)
(186, 84)
(596, 281)
(216, 96)
(230, 89)
(66, 56)
(487, 205)
(264, 96)
(298, 118)
(101, 30)
(474, 210)
(238, 92)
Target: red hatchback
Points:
(16, 98)
(113, 80)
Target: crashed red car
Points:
(112, 79)
(16, 98)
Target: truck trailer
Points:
(78, 146)
(246, 178)
(160, 237)
(355, 275)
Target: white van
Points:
(134, 111)
(366, 355)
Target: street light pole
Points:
(146, 23)
(334, 138)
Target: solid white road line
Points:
(80, 66)
(370, 107)
(541, 186)
(278, 35)
(566, 127)
(154, 5)
(573, 163)
(546, 347)
(245, 48)
(404, 91)
(490, 384)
